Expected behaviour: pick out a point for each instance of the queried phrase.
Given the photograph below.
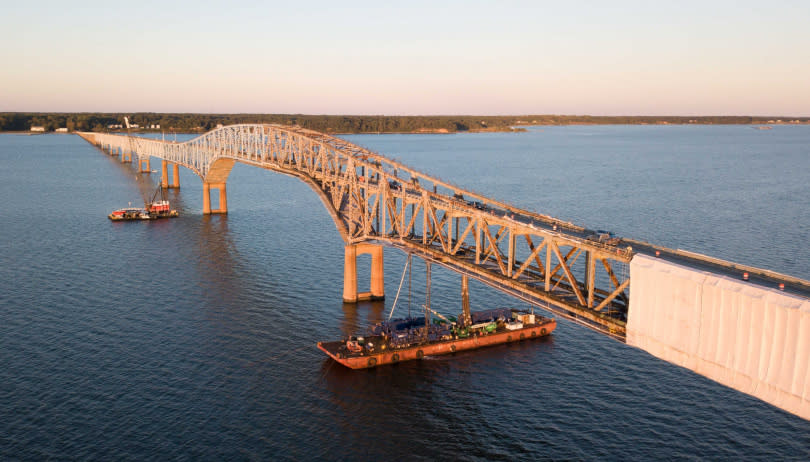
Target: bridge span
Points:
(564, 268)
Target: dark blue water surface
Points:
(194, 338)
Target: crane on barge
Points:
(398, 340)
(153, 208)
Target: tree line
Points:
(187, 122)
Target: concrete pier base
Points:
(377, 289)
(223, 198)
(144, 166)
(164, 175)
(175, 177)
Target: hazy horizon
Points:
(456, 58)
(338, 114)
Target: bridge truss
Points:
(554, 264)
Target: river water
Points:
(194, 338)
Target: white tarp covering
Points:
(751, 338)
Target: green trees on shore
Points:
(178, 122)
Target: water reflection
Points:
(350, 324)
(229, 286)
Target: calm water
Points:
(194, 339)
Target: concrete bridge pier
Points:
(126, 156)
(216, 178)
(144, 166)
(377, 289)
(164, 175)
(223, 198)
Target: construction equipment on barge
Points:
(398, 340)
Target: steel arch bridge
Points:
(376, 200)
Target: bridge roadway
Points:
(689, 309)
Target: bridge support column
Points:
(144, 166)
(377, 275)
(126, 156)
(175, 177)
(164, 175)
(350, 274)
(223, 198)
(377, 289)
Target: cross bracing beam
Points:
(373, 198)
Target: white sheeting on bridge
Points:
(751, 338)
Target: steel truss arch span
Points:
(374, 198)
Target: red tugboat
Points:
(152, 210)
(414, 338)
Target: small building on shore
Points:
(61, 130)
(37, 128)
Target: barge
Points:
(406, 339)
(130, 213)
(152, 210)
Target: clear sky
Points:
(412, 57)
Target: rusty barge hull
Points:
(366, 360)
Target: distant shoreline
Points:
(48, 122)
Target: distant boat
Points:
(764, 127)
